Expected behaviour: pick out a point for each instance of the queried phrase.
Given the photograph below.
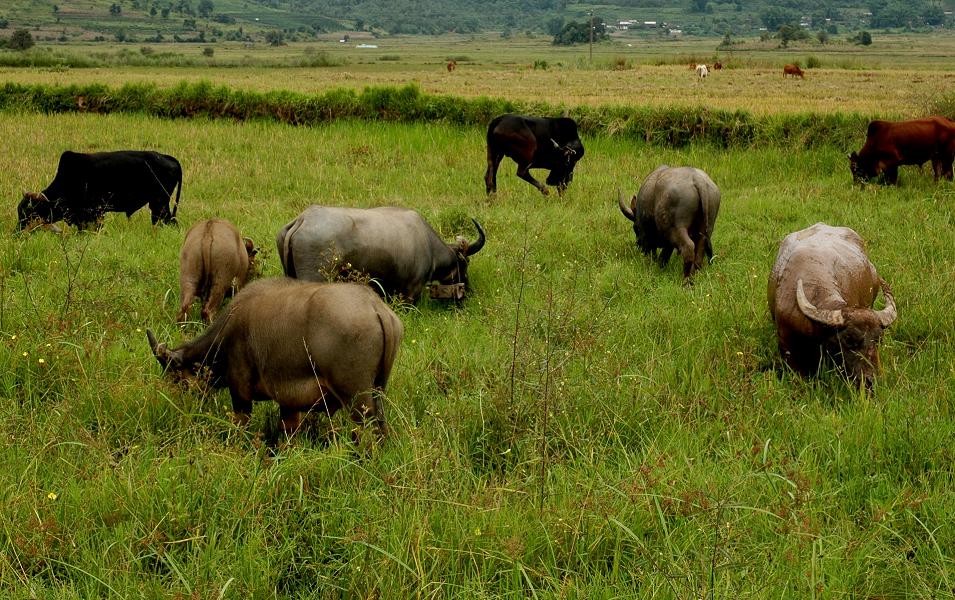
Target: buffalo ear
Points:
(250, 247)
(853, 155)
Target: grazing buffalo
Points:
(676, 207)
(305, 345)
(821, 291)
(452, 65)
(889, 144)
(794, 71)
(717, 66)
(395, 246)
(214, 260)
(702, 71)
(533, 142)
(87, 186)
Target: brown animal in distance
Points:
(717, 66)
(214, 260)
(452, 65)
(793, 70)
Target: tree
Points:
(698, 5)
(275, 38)
(791, 33)
(20, 40)
(863, 38)
(823, 36)
(115, 9)
(579, 33)
(776, 16)
(205, 8)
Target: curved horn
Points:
(888, 314)
(554, 142)
(159, 350)
(626, 210)
(833, 318)
(479, 242)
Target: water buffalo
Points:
(87, 186)
(821, 291)
(889, 144)
(393, 245)
(305, 345)
(676, 207)
(533, 142)
(214, 259)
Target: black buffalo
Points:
(533, 142)
(87, 186)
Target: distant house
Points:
(649, 24)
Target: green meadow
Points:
(584, 425)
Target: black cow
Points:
(87, 186)
(533, 142)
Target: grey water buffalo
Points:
(676, 208)
(214, 260)
(87, 186)
(889, 144)
(395, 246)
(821, 291)
(533, 142)
(305, 345)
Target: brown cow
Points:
(717, 66)
(452, 65)
(821, 291)
(793, 70)
(889, 144)
(305, 345)
(214, 260)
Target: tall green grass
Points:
(668, 126)
(583, 426)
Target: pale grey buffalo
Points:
(676, 207)
(305, 345)
(214, 260)
(395, 246)
(821, 291)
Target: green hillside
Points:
(250, 20)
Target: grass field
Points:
(583, 426)
(897, 77)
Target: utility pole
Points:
(591, 35)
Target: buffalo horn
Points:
(554, 142)
(833, 318)
(159, 350)
(479, 242)
(626, 210)
(888, 314)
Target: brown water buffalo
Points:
(821, 291)
(889, 144)
(794, 71)
(452, 65)
(395, 246)
(676, 207)
(87, 186)
(214, 260)
(305, 345)
(533, 142)
(717, 66)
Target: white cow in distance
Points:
(702, 71)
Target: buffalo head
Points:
(566, 157)
(862, 170)
(646, 240)
(854, 333)
(463, 249)
(168, 359)
(36, 207)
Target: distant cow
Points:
(794, 71)
(702, 71)
(305, 345)
(717, 66)
(676, 207)
(889, 144)
(452, 65)
(821, 291)
(214, 260)
(395, 246)
(87, 186)
(533, 142)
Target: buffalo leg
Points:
(708, 248)
(291, 420)
(241, 406)
(524, 172)
(187, 294)
(368, 407)
(160, 212)
(214, 300)
(490, 176)
(664, 257)
(892, 175)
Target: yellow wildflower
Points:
(52, 496)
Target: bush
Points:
(208, 51)
(20, 40)
(813, 62)
(863, 38)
